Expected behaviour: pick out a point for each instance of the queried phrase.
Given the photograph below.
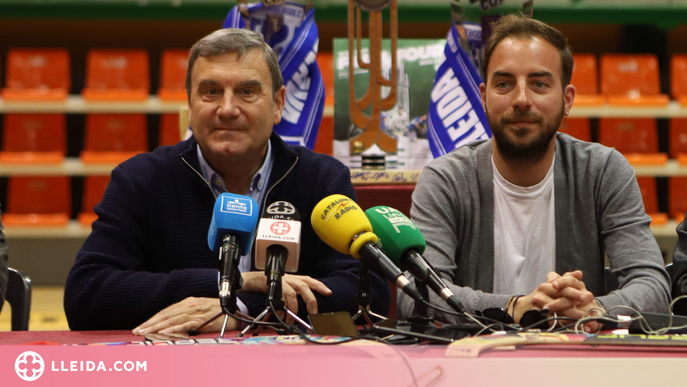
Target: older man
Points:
(146, 265)
(522, 221)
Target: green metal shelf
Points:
(579, 12)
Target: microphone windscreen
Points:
(233, 215)
(279, 226)
(396, 232)
(281, 210)
(339, 222)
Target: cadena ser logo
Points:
(29, 366)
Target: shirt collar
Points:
(258, 182)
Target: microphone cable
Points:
(348, 340)
(472, 317)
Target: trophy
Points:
(371, 125)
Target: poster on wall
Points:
(405, 123)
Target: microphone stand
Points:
(364, 295)
(422, 327)
(274, 270)
(229, 254)
(422, 315)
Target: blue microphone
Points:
(233, 215)
(231, 234)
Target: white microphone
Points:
(279, 232)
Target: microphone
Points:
(341, 224)
(279, 230)
(277, 245)
(231, 234)
(404, 243)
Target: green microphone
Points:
(404, 244)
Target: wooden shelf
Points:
(368, 177)
(71, 166)
(665, 230)
(672, 168)
(673, 110)
(76, 104)
(73, 230)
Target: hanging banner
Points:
(293, 35)
(456, 115)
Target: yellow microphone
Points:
(343, 225)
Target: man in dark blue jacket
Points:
(146, 266)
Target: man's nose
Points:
(228, 106)
(522, 98)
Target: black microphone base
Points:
(365, 313)
(420, 320)
(265, 316)
(196, 331)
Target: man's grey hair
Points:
(239, 41)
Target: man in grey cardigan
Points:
(522, 221)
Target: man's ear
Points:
(483, 95)
(279, 104)
(569, 97)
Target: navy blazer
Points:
(148, 248)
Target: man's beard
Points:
(530, 150)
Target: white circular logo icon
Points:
(29, 366)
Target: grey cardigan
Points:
(598, 209)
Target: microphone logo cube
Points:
(237, 206)
(233, 215)
(286, 233)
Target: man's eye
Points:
(210, 92)
(247, 91)
(540, 84)
(501, 85)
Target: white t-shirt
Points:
(524, 234)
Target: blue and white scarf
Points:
(456, 116)
(296, 44)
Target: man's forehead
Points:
(542, 56)
(251, 61)
(252, 57)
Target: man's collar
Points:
(258, 181)
(283, 155)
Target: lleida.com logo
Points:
(29, 366)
